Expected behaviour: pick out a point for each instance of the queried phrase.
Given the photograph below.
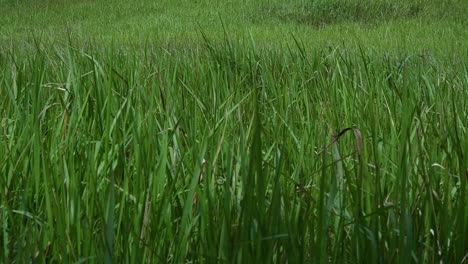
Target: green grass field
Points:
(233, 132)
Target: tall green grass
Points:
(227, 152)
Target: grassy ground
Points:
(303, 132)
(415, 26)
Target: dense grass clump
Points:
(324, 13)
(230, 153)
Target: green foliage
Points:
(233, 131)
(227, 153)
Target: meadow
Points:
(233, 131)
